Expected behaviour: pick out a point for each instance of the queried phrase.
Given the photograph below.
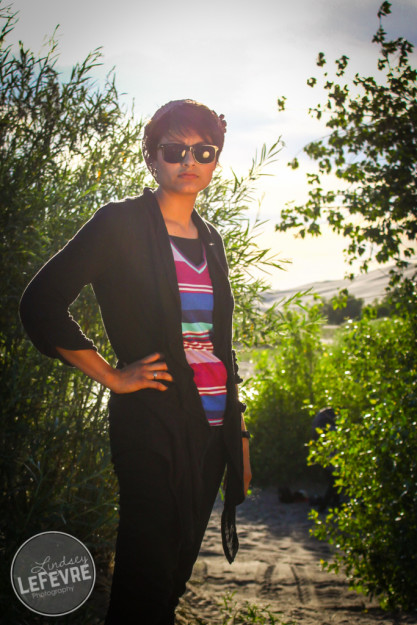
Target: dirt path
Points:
(277, 565)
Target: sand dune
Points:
(370, 286)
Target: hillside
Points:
(369, 287)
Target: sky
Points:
(237, 57)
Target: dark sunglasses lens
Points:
(205, 153)
(174, 153)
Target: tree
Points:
(372, 151)
(66, 148)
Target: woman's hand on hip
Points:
(149, 372)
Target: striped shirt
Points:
(196, 293)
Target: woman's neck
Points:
(176, 211)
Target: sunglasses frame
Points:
(189, 148)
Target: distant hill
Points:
(370, 286)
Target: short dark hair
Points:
(181, 117)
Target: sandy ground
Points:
(278, 565)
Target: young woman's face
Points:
(187, 177)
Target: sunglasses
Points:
(176, 152)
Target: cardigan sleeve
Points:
(44, 305)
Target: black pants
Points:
(151, 566)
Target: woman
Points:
(159, 273)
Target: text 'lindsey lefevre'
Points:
(49, 575)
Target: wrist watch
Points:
(245, 434)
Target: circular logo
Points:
(53, 573)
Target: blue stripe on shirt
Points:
(192, 301)
(214, 403)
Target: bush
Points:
(342, 307)
(371, 380)
(65, 149)
(369, 377)
(380, 308)
(281, 397)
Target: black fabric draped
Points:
(123, 251)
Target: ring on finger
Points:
(155, 375)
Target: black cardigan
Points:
(123, 251)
